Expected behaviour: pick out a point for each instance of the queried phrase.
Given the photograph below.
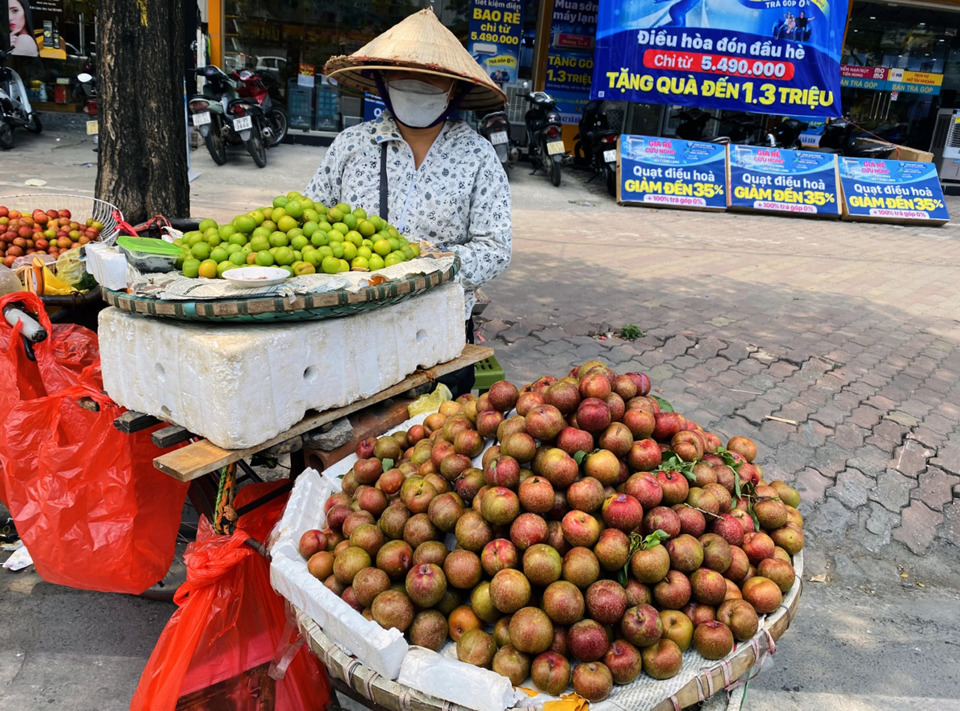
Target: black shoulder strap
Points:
(383, 182)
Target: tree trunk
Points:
(142, 162)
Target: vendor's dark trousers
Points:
(461, 381)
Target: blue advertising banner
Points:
(783, 180)
(494, 37)
(570, 59)
(669, 172)
(892, 190)
(763, 56)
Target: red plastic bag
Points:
(86, 499)
(229, 627)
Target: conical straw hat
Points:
(419, 43)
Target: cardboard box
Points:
(899, 152)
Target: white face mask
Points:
(417, 104)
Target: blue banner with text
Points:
(763, 56)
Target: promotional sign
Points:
(570, 63)
(494, 37)
(34, 28)
(763, 56)
(895, 190)
(783, 180)
(669, 172)
(892, 80)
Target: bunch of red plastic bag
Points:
(87, 501)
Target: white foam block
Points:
(241, 384)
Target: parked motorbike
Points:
(786, 134)
(544, 145)
(251, 86)
(596, 145)
(224, 118)
(15, 109)
(495, 127)
(693, 124)
(840, 136)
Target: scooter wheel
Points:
(555, 172)
(34, 125)
(6, 134)
(612, 182)
(256, 148)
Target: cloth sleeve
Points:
(325, 186)
(486, 254)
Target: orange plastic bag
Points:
(86, 499)
(230, 627)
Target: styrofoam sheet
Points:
(240, 384)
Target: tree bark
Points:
(142, 162)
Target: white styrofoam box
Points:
(241, 384)
(380, 649)
(107, 265)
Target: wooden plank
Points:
(203, 457)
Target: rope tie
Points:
(676, 704)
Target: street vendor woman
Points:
(432, 177)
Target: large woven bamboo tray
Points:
(712, 678)
(302, 307)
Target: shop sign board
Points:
(570, 59)
(802, 183)
(763, 56)
(494, 37)
(891, 190)
(893, 80)
(669, 172)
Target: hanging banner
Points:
(570, 62)
(669, 172)
(494, 37)
(783, 180)
(891, 190)
(762, 56)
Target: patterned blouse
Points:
(459, 198)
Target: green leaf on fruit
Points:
(729, 459)
(387, 464)
(654, 539)
(664, 405)
(623, 577)
(579, 457)
(672, 463)
(753, 515)
(340, 476)
(736, 484)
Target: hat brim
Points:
(357, 73)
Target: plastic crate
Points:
(327, 115)
(299, 105)
(486, 372)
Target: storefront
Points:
(62, 46)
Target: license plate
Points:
(610, 156)
(555, 147)
(93, 128)
(244, 123)
(201, 119)
(498, 137)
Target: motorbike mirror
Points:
(84, 78)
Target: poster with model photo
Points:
(20, 20)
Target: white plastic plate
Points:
(255, 276)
